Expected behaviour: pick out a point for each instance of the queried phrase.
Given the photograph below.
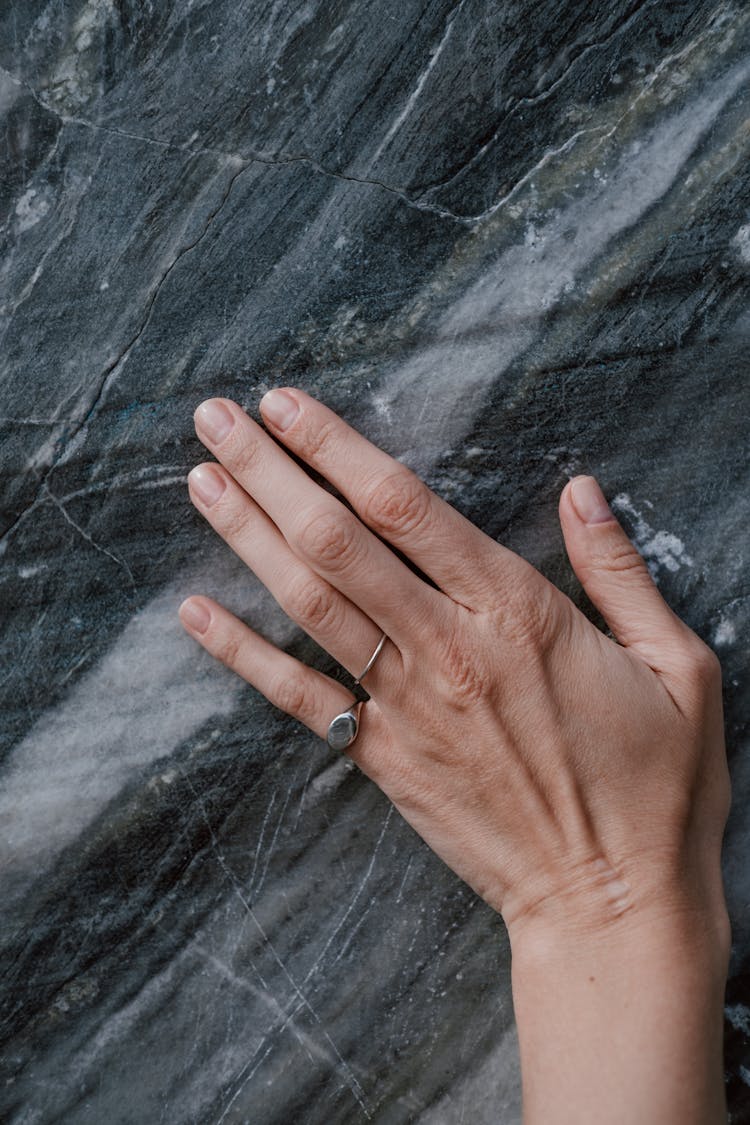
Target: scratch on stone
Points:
(271, 847)
(265, 994)
(357, 893)
(259, 845)
(301, 804)
(403, 881)
(89, 539)
(354, 1086)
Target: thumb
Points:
(614, 575)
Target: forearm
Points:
(624, 1028)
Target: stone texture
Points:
(509, 243)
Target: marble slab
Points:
(510, 243)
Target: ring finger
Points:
(303, 692)
(340, 627)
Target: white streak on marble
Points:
(741, 243)
(10, 91)
(725, 633)
(139, 479)
(527, 281)
(30, 209)
(51, 244)
(71, 83)
(137, 705)
(662, 550)
(721, 23)
(419, 86)
(739, 1017)
(30, 571)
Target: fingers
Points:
(319, 529)
(464, 562)
(300, 691)
(316, 606)
(614, 575)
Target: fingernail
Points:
(213, 419)
(206, 483)
(195, 615)
(280, 408)
(588, 501)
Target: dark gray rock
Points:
(509, 243)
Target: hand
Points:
(566, 777)
(578, 783)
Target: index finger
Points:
(465, 563)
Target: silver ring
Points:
(344, 728)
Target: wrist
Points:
(677, 896)
(623, 1023)
(698, 932)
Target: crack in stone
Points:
(269, 160)
(586, 50)
(541, 96)
(113, 369)
(716, 20)
(85, 534)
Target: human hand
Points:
(578, 783)
(568, 778)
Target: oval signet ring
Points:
(344, 728)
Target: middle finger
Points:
(317, 527)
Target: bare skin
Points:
(578, 783)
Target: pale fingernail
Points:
(588, 501)
(206, 483)
(213, 419)
(195, 615)
(280, 408)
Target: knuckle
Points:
(622, 558)
(311, 602)
(228, 650)
(329, 537)
(463, 674)
(233, 519)
(289, 694)
(528, 616)
(244, 456)
(398, 504)
(319, 443)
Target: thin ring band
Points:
(344, 728)
(372, 659)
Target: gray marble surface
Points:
(509, 243)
